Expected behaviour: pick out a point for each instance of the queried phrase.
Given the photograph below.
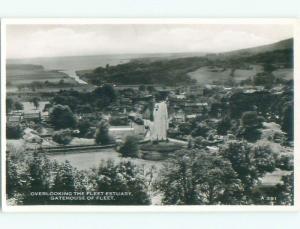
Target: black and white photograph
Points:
(152, 113)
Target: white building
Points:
(157, 130)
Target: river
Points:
(72, 74)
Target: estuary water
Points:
(71, 64)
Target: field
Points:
(87, 160)
(243, 74)
(284, 73)
(28, 106)
(206, 75)
(25, 74)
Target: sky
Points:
(29, 41)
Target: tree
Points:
(86, 108)
(285, 162)
(250, 119)
(105, 94)
(67, 100)
(185, 128)
(268, 67)
(83, 127)
(36, 102)
(285, 191)
(39, 178)
(9, 104)
(130, 148)
(287, 123)
(61, 117)
(200, 142)
(19, 106)
(264, 79)
(102, 136)
(223, 126)
(195, 177)
(250, 124)
(14, 131)
(16, 181)
(201, 129)
(64, 180)
(250, 163)
(142, 87)
(122, 177)
(150, 88)
(13, 105)
(62, 136)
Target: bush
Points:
(223, 126)
(249, 134)
(63, 136)
(200, 130)
(102, 136)
(161, 147)
(200, 142)
(118, 121)
(185, 128)
(285, 162)
(130, 148)
(250, 119)
(83, 126)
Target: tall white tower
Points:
(160, 122)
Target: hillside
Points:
(281, 45)
(165, 72)
(240, 64)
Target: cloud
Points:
(25, 41)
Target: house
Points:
(32, 115)
(179, 117)
(191, 108)
(195, 90)
(181, 96)
(191, 117)
(14, 119)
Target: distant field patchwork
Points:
(17, 76)
(206, 75)
(284, 73)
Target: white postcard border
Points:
(153, 208)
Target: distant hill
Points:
(281, 45)
(167, 70)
